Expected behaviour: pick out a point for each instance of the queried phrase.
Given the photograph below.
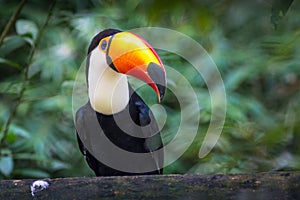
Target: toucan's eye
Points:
(103, 45)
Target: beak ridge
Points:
(130, 54)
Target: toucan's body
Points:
(115, 112)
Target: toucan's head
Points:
(128, 53)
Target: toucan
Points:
(116, 131)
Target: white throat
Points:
(108, 90)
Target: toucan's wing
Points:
(154, 143)
(78, 125)
(87, 130)
(150, 130)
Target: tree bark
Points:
(277, 185)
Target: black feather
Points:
(96, 39)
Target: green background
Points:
(255, 45)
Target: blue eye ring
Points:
(103, 44)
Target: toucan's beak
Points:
(130, 54)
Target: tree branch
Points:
(26, 70)
(11, 21)
(276, 185)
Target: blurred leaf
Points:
(67, 87)
(236, 77)
(25, 156)
(10, 44)
(286, 160)
(6, 162)
(11, 137)
(27, 28)
(29, 172)
(59, 165)
(279, 9)
(9, 63)
(10, 87)
(19, 131)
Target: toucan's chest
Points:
(124, 128)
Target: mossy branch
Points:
(277, 185)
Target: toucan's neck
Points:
(108, 90)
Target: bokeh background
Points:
(255, 45)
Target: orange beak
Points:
(130, 54)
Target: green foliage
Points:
(259, 66)
(279, 9)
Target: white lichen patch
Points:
(38, 185)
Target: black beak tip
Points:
(161, 89)
(158, 76)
